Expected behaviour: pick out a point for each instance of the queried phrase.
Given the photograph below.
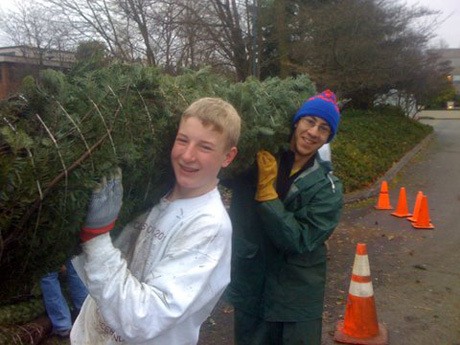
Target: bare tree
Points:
(169, 33)
(98, 19)
(361, 47)
(138, 11)
(235, 41)
(281, 36)
(30, 25)
(225, 33)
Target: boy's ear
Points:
(229, 157)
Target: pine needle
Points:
(78, 130)
(105, 126)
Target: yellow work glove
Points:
(268, 169)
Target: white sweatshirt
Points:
(162, 282)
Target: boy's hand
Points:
(104, 207)
(268, 170)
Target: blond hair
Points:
(219, 114)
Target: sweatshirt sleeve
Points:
(307, 226)
(192, 274)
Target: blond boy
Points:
(169, 267)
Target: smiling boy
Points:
(201, 149)
(169, 267)
(283, 210)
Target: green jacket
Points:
(279, 255)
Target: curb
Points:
(388, 176)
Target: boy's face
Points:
(310, 134)
(197, 156)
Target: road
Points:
(415, 273)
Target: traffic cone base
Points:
(428, 226)
(423, 220)
(383, 202)
(380, 339)
(401, 208)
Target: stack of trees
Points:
(67, 131)
(358, 48)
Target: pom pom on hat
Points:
(324, 106)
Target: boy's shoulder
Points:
(211, 200)
(319, 173)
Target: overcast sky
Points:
(448, 30)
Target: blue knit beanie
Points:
(323, 105)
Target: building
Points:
(20, 61)
(452, 55)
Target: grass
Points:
(369, 143)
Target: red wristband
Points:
(87, 234)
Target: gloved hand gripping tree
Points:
(104, 207)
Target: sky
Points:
(449, 27)
(448, 30)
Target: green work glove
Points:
(268, 170)
(104, 207)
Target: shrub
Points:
(370, 142)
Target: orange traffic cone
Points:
(383, 202)
(416, 211)
(401, 208)
(423, 221)
(360, 325)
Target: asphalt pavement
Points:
(415, 273)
